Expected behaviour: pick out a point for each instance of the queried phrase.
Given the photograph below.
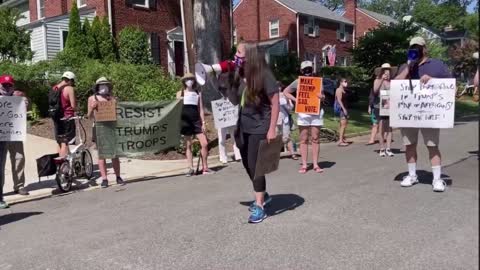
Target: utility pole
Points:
(188, 33)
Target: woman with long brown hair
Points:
(255, 88)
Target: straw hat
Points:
(102, 80)
(188, 76)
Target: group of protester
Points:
(265, 109)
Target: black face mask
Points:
(307, 72)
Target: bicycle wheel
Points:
(63, 177)
(87, 163)
(328, 135)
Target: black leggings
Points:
(249, 153)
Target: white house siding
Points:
(37, 44)
(54, 30)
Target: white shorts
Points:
(308, 120)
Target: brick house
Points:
(161, 19)
(306, 28)
(364, 20)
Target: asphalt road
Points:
(353, 216)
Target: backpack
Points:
(55, 109)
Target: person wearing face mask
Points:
(103, 92)
(65, 131)
(420, 66)
(382, 83)
(193, 122)
(306, 123)
(15, 149)
(340, 109)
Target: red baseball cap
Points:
(7, 79)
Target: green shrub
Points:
(357, 76)
(133, 46)
(285, 68)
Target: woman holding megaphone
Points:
(255, 88)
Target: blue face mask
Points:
(239, 61)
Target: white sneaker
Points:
(439, 185)
(382, 153)
(409, 181)
(389, 152)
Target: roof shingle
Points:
(314, 9)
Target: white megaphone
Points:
(202, 71)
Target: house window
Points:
(341, 34)
(274, 28)
(154, 48)
(141, 3)
(63, 38)
(41, 9)
(310, 28)
(81, 3)
(341, 61)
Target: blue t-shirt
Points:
(432, 67)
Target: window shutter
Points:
(317, 31)
(152, 4)
(155, 47)
(305, 29)
(129, 3)
(338, 34)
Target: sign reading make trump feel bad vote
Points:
(13, 119)
(417, 105)
(308, 91)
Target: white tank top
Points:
(190, 98)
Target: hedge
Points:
(130, 82)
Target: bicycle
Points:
(328, 135)
(78, 162)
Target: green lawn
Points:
(360, 120)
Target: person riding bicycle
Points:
(103, 92)
(307, 123)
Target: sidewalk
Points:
(132, 170)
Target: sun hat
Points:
(188, 76)
(386, 66)
(306, 64)
(418, 41)
(102, 80)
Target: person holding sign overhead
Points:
(307, 121)
(103, 93)
(193, 122)
(255, 88)
(420, 66)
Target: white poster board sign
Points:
(430, 105)
(225, 114)
(13, 119)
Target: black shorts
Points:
(65, 131)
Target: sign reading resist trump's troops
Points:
(13, 119)
(225, 114)
(141, 128)
(417, 105)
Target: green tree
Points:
(438, 16)
(471, 24)
(437, 50)
(133, 46)
(396, 9)
(90, 43)
(330, 4)
(14, 41)
(75, 45)
(387, 43)
(106, 42)
(461, 58)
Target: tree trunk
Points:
(208, 41)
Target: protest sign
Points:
(268, 157)
(418, 105)
(141, 128)
(106, 111)
(308, 92)
(225, 114)
(13, 119)
(384, 103)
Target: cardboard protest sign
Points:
(308, 91)
(268, 157)
(418, 105)
(106, 111)
(13, 119)
(141, 128)
(384, 103)
(225, 114)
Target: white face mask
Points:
(189, 83)
(6, 91)
(103, 90)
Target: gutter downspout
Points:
(231, 25)
(185, 46)
(109, 10)
(298, 36)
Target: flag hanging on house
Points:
(332, 54)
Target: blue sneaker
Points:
(267, 200)
(258, 215)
